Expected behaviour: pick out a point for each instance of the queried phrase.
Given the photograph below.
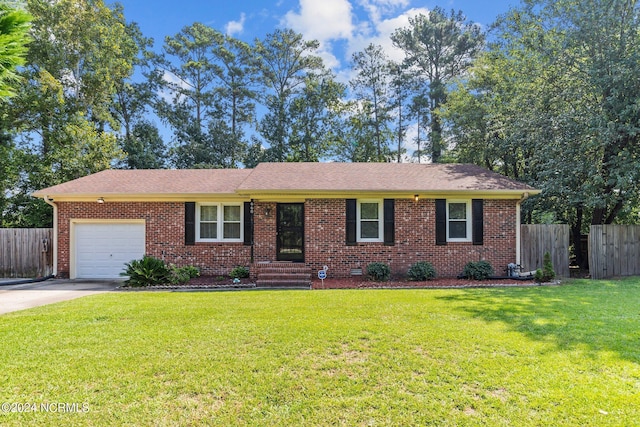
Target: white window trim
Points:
(380, 220)
(469, 237)
(220, 222)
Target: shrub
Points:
(239, 272)
(421, 271)
(379, 271)
(538, 276)
(146, 272)
(181, 275)
(547, 273)
(480, 270)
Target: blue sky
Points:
(342, 26)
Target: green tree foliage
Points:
(556, 102)
(440, 48)
(139, 137)
(315, 118)
(62, 117)
(372, 86)
(143, 147)
(284, 61)
(207, 99)
(14, 37)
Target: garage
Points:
(101, 249)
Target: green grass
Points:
(552, 356)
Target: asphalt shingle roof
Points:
(273, 178)
(375, 177)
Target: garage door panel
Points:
(102, 249)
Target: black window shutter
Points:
(248, 224)
(477, 221)
(190, 223)
(351, 221)
(441, 221)
(389, 222)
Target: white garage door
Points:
(102, 249)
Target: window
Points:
(231, 222)
(369, 225)
(217, 222)
(458, 221)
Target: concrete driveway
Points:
(28, 295)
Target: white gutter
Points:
(49, 201)
(524, 197)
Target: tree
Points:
(284, 60)
(62, 115)
(314, 116)
(234, 94)
(440, 48)
(372, 85)
(143, 147)
(206, 78)
(139, 138)
(14, 37)
(402, 85)
(187, 103)
(572, 64)
(355, 139)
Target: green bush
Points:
(181, 275)
(146, 272)
(547, 273)
(239, 272)
(378, 271)
(421, 271)
(480, 270)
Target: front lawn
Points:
(552, 356)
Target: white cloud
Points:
(343, 27)
(321, 20)
(168, 94)
(235, 27)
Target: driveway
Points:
(28, 295)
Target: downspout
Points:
(50, 202)
(524, 197)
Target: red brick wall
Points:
(324, 237)
(164, 235)
(414, 239)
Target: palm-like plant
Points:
(14, 37)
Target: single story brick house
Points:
(340, 215)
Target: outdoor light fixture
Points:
(416, 197)
(100, 200)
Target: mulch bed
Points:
(211, 282)
(363, 283)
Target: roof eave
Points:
(430, 194)
(138, 197)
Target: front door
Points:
(290, 232)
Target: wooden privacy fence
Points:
(26, 252)
(537, 239)
(614, 250)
